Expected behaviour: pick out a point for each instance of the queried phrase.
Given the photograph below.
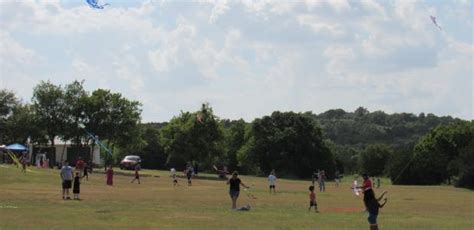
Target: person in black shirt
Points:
(234, 188)
(372, 205)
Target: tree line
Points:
(410, 149)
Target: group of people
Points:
(371, 202)
(68, 177)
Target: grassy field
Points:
(32, 200)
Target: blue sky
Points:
(247, 58)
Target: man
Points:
(66, 178)
(271, 180)
(322, 179)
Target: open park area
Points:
(32, 200)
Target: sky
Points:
(247, 58)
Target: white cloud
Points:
(247, 57)
(320, 25)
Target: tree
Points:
(153, 155)
(435, 155)
(20, 125)
(75, 101)
(8, 101)
(374, 159)
(234, 140)
(290, 143)
(193, 137)
(465, 164)
(48, 105)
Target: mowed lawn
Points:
(32, 200)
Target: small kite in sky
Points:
(433, 19)
(94, 4)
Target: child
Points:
(271, 180)
(312, 199)
(175, 179)
(137, 176)
(372, 205)
(110, 176)
(76, 188)
(189, 174)
(86, 171)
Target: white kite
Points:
(433, 19)
(355, 188)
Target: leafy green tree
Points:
(193, 137)
(234, 140)
(374, 159)
(153, 155)
(435, 156)
(75, 101)
(8, 101)
(48, 104)
(290, 143)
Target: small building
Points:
(64, 151)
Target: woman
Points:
(110, 176)
(234, 188)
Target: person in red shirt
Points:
(80, 166)
(312, 199)
(367, 184)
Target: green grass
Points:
(32, 200)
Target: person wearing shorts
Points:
(234, 188)
(66, 178)
(271, 180)
(372, 205)
(312, 199)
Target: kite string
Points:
(404, 168)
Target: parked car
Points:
(130, 161)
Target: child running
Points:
(137, 175)
(271, 180)
(312, 199)
(372, 205)
(76, 187)
(234, 188)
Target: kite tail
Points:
(14, 158)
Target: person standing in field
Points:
(372, 206)
(234, 188)
(76, 188)
(312, 199)
(272, 180)
(86, 171)
(110, 176)
(378, 182)
(321, 180)
(175, 179)
(189, 174)
(66, 178)
(314, 177)
(137, 175)
(80, 165)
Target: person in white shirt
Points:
(271, 180)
